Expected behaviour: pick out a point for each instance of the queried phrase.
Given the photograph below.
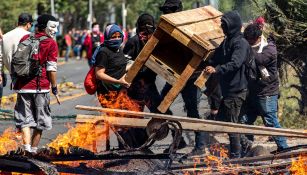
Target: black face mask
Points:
(224, 27)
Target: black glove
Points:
(54, 90)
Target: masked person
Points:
(228, 62)
(190, 93)
(263, 97)
(92, 41)
(32, 108)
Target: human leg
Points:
(268, 111)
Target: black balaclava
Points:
(171, 6)
(231, 23)
(145, 23)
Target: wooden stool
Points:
(180, 43)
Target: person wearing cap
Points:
(32, 108)
(11, 39)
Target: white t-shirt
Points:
(10, 42)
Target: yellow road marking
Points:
(62, 99)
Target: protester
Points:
(228, 62)
(110, 67)
(77, 44)
(12, 38)
(32, 108)
(1, 67)
(143, 88)
(263, 97)
(93, 40)
(68, 43)
(190, 93)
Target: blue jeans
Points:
(190, 95)
(266, 107)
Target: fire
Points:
(299, 167)
(118, 100)
(82, 135)
(85, 135)
(8, 141)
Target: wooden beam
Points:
(201, 80)
(180, 83)
(143, 55)
(206, 125)
(157, 68)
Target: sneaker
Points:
(194, 152)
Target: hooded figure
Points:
(113, 43)
(171, 6)
(229, 62)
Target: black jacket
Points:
(131, 50)
(268, 59)
(229, 58)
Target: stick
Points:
(207, 125)
(248, 159)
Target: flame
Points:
(8, 141)
(85, 135)
(299, 167)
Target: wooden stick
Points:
(205, 125)
(247, 160)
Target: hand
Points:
(123, 82)
(1, 79)
(210, 69)
(54, 90)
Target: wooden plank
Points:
(200, 27)
(143, 56)
(171, 78)
(198, 124)
(201, 80)
(191, 16)
(183, 38)
(180, 83)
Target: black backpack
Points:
(251, 69)
(24, 65)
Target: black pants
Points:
(190, 95)
(229, 112)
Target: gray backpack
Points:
(24, 64)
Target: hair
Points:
(95, 23)
(252, 32)
(43, 20)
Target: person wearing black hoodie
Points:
(229, 62)
(190, 93)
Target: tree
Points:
(289, 21)
(10, 11)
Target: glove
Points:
(54, 90)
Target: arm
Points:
(52, 78)
(268, 53)
(237, 59)
(101, 75)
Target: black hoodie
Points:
(230, 56)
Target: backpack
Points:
(251, 68)
(90, 82)
(24, 64)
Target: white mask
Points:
(52, 28)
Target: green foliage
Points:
(10, 11)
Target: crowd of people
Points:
(233, 96)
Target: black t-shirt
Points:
(114, 62)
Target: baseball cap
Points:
(24, 18)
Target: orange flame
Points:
(85, 135)
(299, 167)
(8, 141)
